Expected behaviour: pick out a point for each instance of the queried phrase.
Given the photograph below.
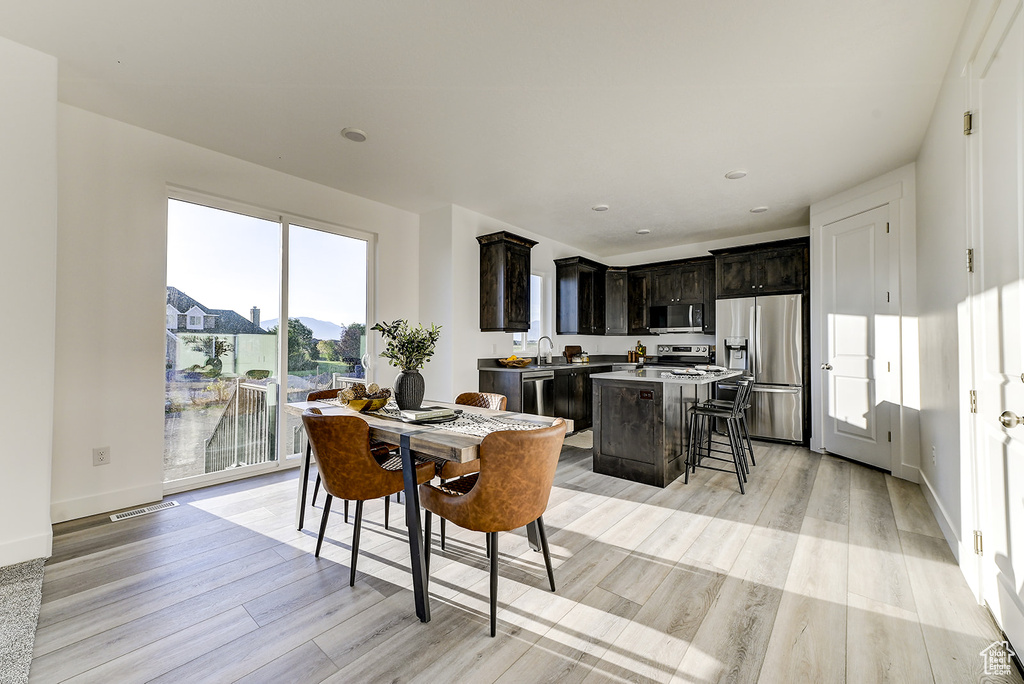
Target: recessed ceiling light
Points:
(600, 207)
(353, 134)
(643, 231)
(736, 175)
(758, 210)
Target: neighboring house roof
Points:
(226, 321)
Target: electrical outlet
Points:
(101, 456)
(933, 454)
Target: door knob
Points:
(826, 366)
(1009, 419)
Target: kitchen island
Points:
(640, 421)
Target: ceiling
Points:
(530, 112)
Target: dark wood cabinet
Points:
(504, 282)
(678, 284)
(638, 304)
(579, 296)
(616, 319)
(707, 273)
(573, 400)
(766, 268)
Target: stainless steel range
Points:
(684, 355)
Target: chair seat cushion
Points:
(460, 486)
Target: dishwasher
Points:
(538, 392)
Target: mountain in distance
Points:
(322, 330)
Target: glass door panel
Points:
(223, 282)
(327, 278)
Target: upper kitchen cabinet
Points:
(707, 271)
(677, 284)
(616, 305)
(638, 303)
(504, 282)
(579, 296)
(765, 268)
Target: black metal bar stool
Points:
(744, 433)
(702, 443)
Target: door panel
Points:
(776, 413)
(997, 310)
(855, 300)
(779, 340)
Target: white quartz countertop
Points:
(666, 376)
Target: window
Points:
(223, 353)
(525, 344)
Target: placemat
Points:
(465, 423)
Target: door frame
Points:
(897, 191)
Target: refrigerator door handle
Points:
(757, 341)
(777, 390)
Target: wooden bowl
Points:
(515, 363)
(364, 405)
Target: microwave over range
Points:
(677, 318)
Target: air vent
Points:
(143, 511)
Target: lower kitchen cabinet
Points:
(573, 396)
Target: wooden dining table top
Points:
(429, 439)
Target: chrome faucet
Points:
(551, 345)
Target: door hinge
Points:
(979, 547)
(890, 435)
(886, 226)
(887, 296)
(888, 366)
(968, 123)
(970, 261)
(974, 401)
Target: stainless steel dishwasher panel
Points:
(538, 392)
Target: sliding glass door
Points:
(227, 292)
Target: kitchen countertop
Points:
(665, 375)
(492, 365)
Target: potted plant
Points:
(408, 348)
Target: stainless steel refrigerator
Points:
(763, 336)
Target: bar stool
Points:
(702, 443)
(744, 433)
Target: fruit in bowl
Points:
(365, 398)
(515, 362)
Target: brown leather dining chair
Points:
(517, 469)
(350, 470)
(379, 449)
(450, 469)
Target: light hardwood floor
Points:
(825, 571)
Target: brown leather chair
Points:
(450, 469)
(517, 468)
(379, 449)
(350, 470)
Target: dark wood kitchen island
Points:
(640, 421)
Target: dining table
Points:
(419, 440)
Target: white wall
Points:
(111, 259)
(943, 292)
(28, 194)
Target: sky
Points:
(231, 261)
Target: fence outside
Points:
(246, 431)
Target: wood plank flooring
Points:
(825, 571)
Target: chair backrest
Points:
(341, 445)
(743, 388)
(495, 402)
(317, 395)
(517, 469)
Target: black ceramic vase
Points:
(409, 389)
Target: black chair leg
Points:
(426, 539)
(740, 476)
(323, 524)
(488, 534)
(387, 510)
(544, 547)
(305, 485)
(492, 537)
(316, 488)
(355, 543)
(746, 436)
(346, 510)
(398, 497)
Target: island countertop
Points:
(666, 376)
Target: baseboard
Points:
(941, 516)
(26, 549)
(71, 509)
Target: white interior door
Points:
(998, 308)
(855, 294)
